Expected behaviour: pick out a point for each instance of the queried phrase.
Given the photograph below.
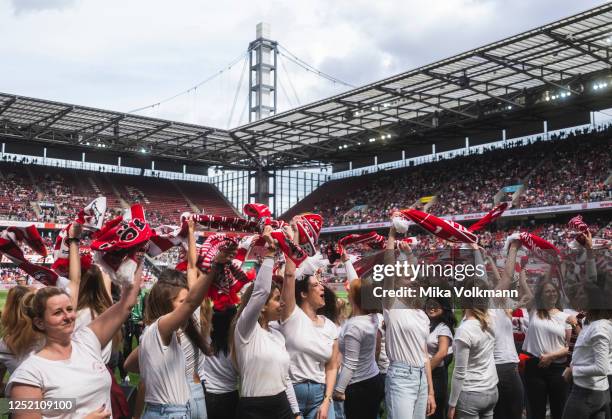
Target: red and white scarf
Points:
(450, 230)
(116, 245)
(582, 228)
(10, 241)
(91, 218)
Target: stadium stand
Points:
(474, 183)
(42, 193)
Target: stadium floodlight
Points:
(372, 140)
(143, 151)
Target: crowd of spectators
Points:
(565, 169)
(31, 192)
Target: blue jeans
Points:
(310, 396)
(197, 401)
(406, 392)
(339, 409)
(166, 411)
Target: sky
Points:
(123, 55)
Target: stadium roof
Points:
(514, 76)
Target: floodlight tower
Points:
(263, 54)
(262, 74)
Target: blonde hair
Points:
(18, 333)
(483, 318)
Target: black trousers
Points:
(510, 390)
(266, 407)
(545, 384)
(362, 399)
(439, 377)
(131, 330)
(583, 403)
(221, 405)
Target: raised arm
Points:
(288, 291)
(192, 257)
(74, 262)
(389, 259)
(591, 267)
(108, 323)
(172, 321)
(508, 272)
(245, 325)
(351, 273)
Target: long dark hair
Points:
(221, 326)
(159, 303)
(329, 310)
(447, 317)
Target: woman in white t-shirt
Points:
(169, 323)
(589, 396)
(258, 350)
(546, 343)
(474, 382)
(510, 386)
(19, 339)
(312, 342)
(409, 391)
(221, 375)
(70, 365)
(360, 383)
(439, 347)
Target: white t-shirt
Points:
(383, 360)
(441, 329)
(546, 335)
(406, 335)
(592, 354)
(192, 353)
(162, 368)
(263, 362)
(505, 350)
(221, 376)
(310, 347)
(83, 320)
(8, 359)
(82, 377)
(480, 374)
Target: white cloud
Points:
(122, 55)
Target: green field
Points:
(3, 294)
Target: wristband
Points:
(73, 240)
